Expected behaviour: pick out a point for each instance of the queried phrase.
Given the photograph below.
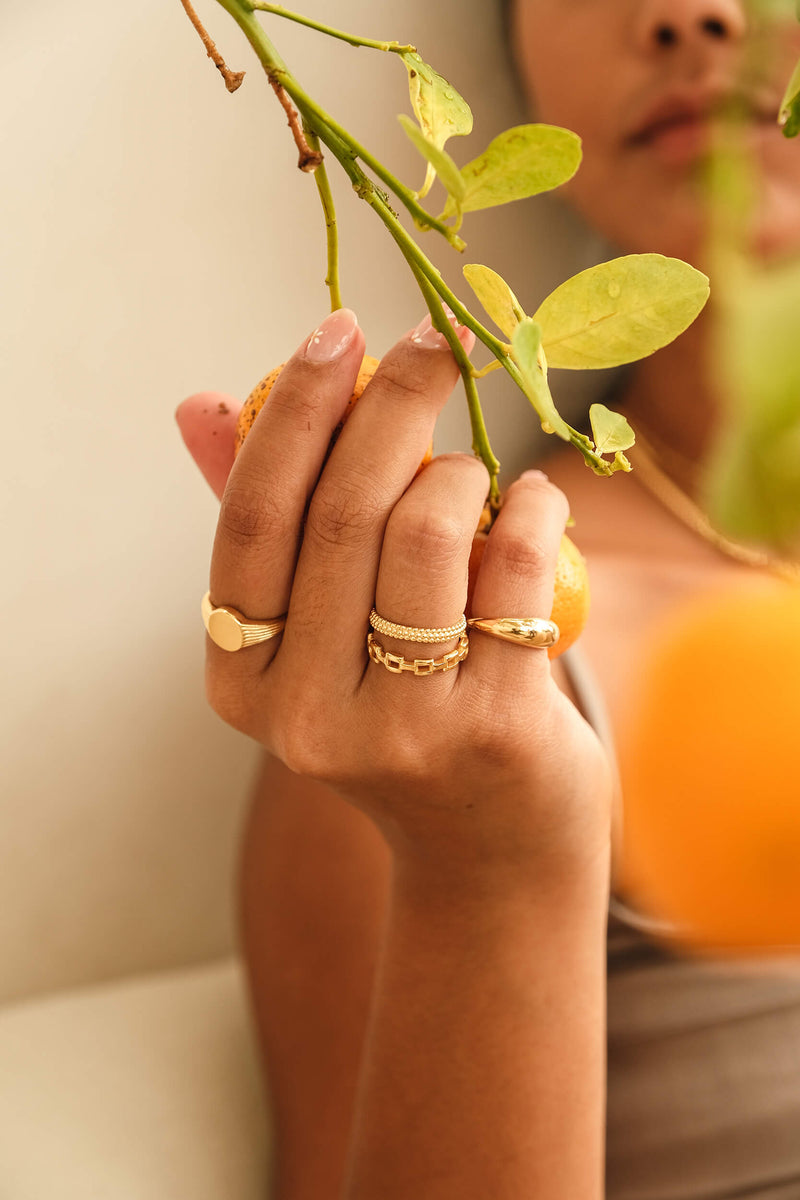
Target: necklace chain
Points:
(683, 508)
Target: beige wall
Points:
(155, 240)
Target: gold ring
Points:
(411, 633)
(231, 630)
(417, 666)
(523, 631)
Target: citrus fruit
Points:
(709, 771)
(255, 402)
(570, 595)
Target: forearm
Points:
(484, 1071)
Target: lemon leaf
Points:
(610, 430)
(527, 353)
(620, 311)
(442, 113)
(789, 112)
(496, 297)
(439, 159)
(519, 163)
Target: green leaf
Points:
(752, 489)
(496, 297)
(439, 159)
(789, 112)
(610, 430)
(527, 353)
(441, 112)
(520, 162)
(620, 311)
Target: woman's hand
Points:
(485, 763)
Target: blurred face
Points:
(650, 85)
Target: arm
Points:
(489, 790)
(487, 1041)
(501, 996)
(313, 883)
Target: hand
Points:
(487, 762)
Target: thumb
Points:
(207, 422)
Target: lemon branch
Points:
(244, 15)
(331, 228)
(279, 11)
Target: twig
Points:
(232, 79)
(309, 159)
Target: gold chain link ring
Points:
(410, 633)
(417, 666)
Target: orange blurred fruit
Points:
(255, 402)
(570, 596)
(709, 767)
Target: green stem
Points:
(480, 437)
(279, 11)
(346, 150)
(331, 228)
(408, 198)
(321, 121)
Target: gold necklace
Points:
(683, 508)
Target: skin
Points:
(413, 1045)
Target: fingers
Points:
(207, 422)
(372, 465)
(261, 518)
(517, 572)
(422, 580)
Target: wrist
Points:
(457, 881)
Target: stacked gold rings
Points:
(231, 631)
(410, 633)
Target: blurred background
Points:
(157, 240)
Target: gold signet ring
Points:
(231, 630)
(523, 631)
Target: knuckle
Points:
(304, 750)
(250, 515)
(519, 555)
(342, 513)
(226, 700)
(406, 378)
(435, 538)
(295, 395)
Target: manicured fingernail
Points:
(430, 339)
(332, 337)
(535, 473)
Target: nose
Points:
(663, 24)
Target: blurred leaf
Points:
(496, 297)
(439, 159)
(441, 112)
(527, 347)
(789, 113)
(752, 490)
(520, 162)
(620, 311)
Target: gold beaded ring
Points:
(411, 633)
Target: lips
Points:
(690, 116)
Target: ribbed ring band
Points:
(410, 633)
(231, 630)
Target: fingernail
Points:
(535, 473)
(330, 339)
(429, 338)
